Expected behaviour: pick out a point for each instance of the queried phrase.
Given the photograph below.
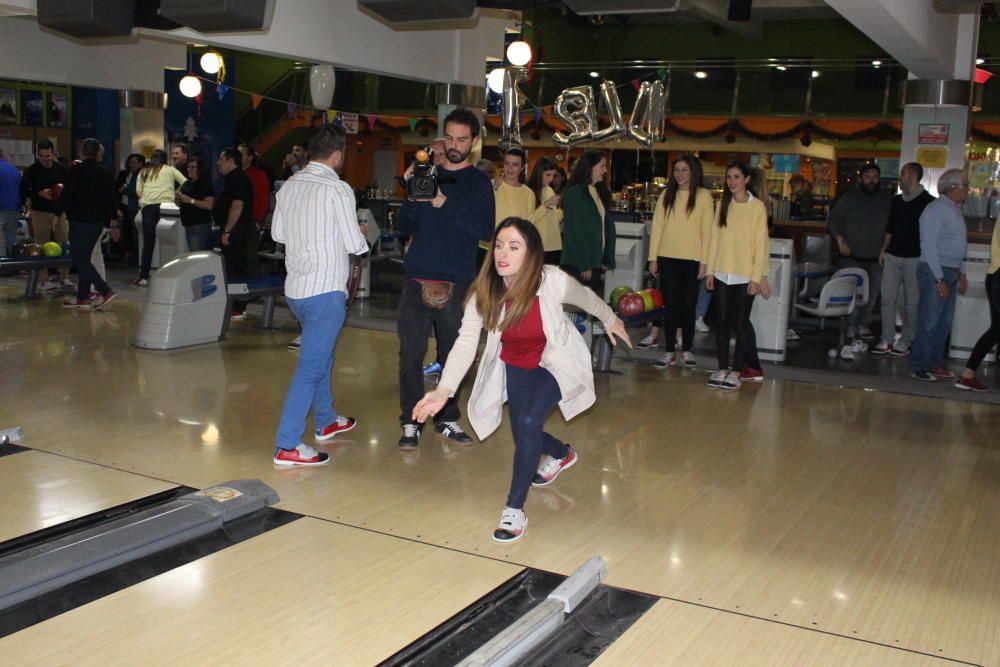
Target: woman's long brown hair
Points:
(489, 288)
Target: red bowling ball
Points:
(631, 304)
(657, 296)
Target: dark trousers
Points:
(199, 237)
(83, 237)
(413, 325)
(240, 258)
(733, 306)
(989, 339)
(531, 395)
(679, 286)
(595, 277)
(553, 256)
(150, 218)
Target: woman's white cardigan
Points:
(565, 356)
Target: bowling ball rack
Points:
(603, 350)
(34, 266)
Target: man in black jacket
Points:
(89, 200)
(40, 185)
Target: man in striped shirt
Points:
(316, 218)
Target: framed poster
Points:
(57, 110)
(8, 106)
(31, 107)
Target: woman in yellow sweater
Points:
(682, 229)
(156, 185)
(738, 256)
(547, 217)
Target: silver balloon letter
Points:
(513, 98)
(614, 106)
(640, 114)
(575, 107)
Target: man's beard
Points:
(870, 189)
(455, 156)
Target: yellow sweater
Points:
(681, 235)
(741, 247)
(159, 189)
(514, 202)
(995, 250)
(547, 221)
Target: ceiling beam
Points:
(717, 11)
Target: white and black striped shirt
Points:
(316, 218)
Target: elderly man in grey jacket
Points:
(858, 221)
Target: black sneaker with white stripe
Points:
(453, 431)
(410, 437)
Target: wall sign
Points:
(932, 134)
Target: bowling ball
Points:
(52, 249)
(56, 191)
(65, 248)
(657, 296)
(33, 250)
(631, 304)
(617, 293)
(647, 300)
(17, 250)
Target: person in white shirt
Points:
(316, 218)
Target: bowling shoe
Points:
(511, 527)
(341, 424)
(551, 467)
(303, 455)
(715, 379)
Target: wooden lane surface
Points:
(310, 592)
(859, 512)
(674, 633)
(42, 490)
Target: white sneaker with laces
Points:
(550, 467)
(689, 360)
(859, 346)
(731, 382)
(648, 341)
(50, 286)
(900, 349)
(715, 379)
(700, 326)
(669, 360)
(511, 527)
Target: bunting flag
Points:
(371, 122)
(349, 121)
(662, 72)
(255, 100)
(636, 84)
(413, 123)
(222, 89)
(331, 115)
(292, 106)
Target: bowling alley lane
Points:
(674, 633)
(41, 490)
(310, 592)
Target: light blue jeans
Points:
(8, 231)
(322, 317)
(704, 300)
(935, 318)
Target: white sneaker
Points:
(900, 349)
(847, 353)
(669, 360)
(731, 381)
(716, 378)
(50, 285)
(865, 333)
(859, 346)
(68, 284)
(689, 360)
(550, 467)
(792, 334)
(648, 341)
(511, 526)
(883, 347)
(680, 341)
(700, 326)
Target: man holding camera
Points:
(445, 224)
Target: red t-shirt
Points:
(261, 193)
(522, 343)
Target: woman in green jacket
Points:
(584, 231)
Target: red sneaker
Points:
(942, 373)
(341, 424)
(970, 384)
(76, 304)
(237, 316)
(550, 468)
(303, 455)
(103, 301)
(751, 375)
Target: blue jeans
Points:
(8, 229)
(321, 317)
(198, 237)
(935, 318)
(704, 300)
(531, 395)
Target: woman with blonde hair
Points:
(157, 182)
(534, 358)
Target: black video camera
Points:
(423, 185)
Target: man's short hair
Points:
(916, 168)
(233, 154)
(326, 142)
(463, 117)
(516, 151)
(184, 149)
(951, 179)
(871, 166)
(44, 145)
(90, 148)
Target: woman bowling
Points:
(737, 262)
(533, 353)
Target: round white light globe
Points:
(210, 62)
(190, 86)
(519, 53)
(495, 80)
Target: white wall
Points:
(31, 54)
